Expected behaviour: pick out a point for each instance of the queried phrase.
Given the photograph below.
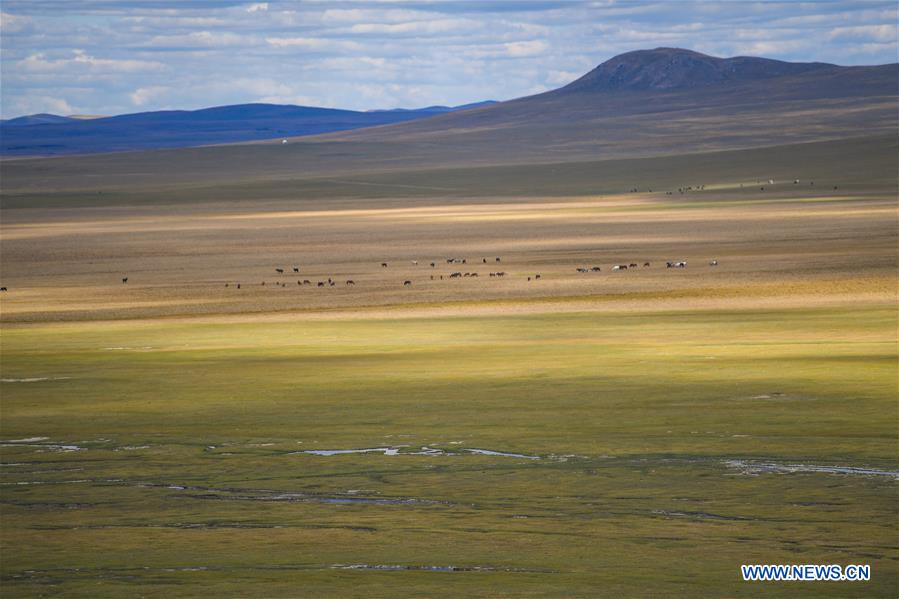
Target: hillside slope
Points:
(757, 104)
(663, 101)
(46, 134)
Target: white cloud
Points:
(14, 23)
(562, 77)
(531, 48)
(418, 27)
(37, 104)
(111, 56)
(200, 39)
(372, 15)
(875, 33)
(39, 63)
(144, 95)
(313, 43)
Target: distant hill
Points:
(673, 68)
(48, 134)
(440, 109)
(36, 119)
(659, 101)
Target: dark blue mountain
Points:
(37, 119)
(47, 134)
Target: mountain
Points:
(675, 106)
(660, 101)
(440, 109)
(673, 68)
(36, 119)
(47, 134)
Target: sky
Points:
(108, 57)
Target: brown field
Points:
(807, 250)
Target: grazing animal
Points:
(713, 263)
(331, 283)
(238, 285)
(124, 279)
(582, 269)
(536, 276)
(474, 274)
(383, 265)
(645, 264)
(455, 275)
(632, 265)
(321, 283)
(620, 267)
(493, 274)
(226, 284)
(263, 283)
(501, 274)
(350, 282)
(529, 279)
(497, 259)
(2, 288)
(280, 271)
(596, 269)
(433, 265)
(296, 269)
(407, 283)
(464, 261)
(307, 282)
(415, 263)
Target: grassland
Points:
(153, 431)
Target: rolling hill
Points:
(49, 134)
(666, 101)
(662, 102)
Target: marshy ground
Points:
(632, 433)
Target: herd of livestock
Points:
(330, 282)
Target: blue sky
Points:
(119, 56)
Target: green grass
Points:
(646, 407)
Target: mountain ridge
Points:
(43, 134)
(677, 68)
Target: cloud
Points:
(38, 104)
(417, 27)
(313, 43)
(200, 39)
(870, 33)
(39, 63)
(108, 56)
(14, 23)
(144, 95)
(521, 49)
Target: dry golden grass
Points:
(798, 251)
